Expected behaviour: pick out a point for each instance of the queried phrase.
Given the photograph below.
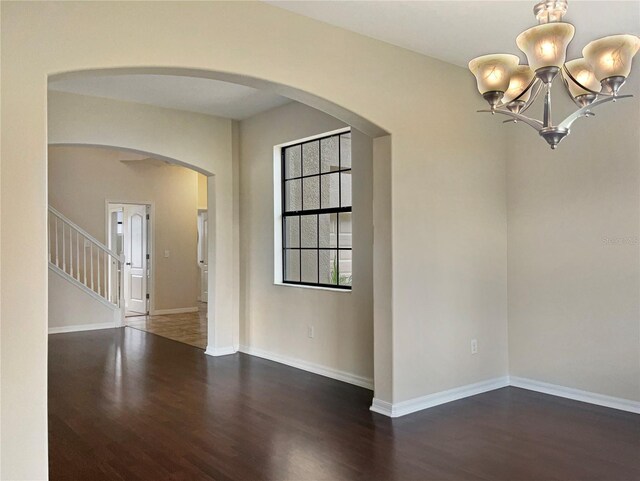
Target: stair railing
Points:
(85, 259)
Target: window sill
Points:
(317, 288)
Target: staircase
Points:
(80, 259)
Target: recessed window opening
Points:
(317, 212)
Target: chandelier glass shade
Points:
(493, 71)
(510, 89)
(580, 70)
(521, 78)
(546, 45)
(611, 56)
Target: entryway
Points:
(128, 235)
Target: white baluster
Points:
(70, 252)
(78, 254)
(91, 259)
(98, 262)
(49, 236)
(57, 258)
(84, 256)
(106, 277)
(64, 250)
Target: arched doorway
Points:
(93, 123)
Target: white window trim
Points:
(277, 212)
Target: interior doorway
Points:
(128, 235)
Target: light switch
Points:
(166, 253)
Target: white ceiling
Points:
(456, 31)
(212, 97)
(453, 31)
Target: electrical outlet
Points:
(310, 332)
(474, 346)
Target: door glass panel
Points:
(136, 241)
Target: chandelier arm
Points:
(586, 110)
(533, 81)
(573, 79)
(533, 97)
(536, 124)
(548, 120)
(566, 87)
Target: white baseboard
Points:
(407, 407)
(311, 367)
(179, 310)
(220, 351)
(576, 394)
(424, 402)
(83, 327)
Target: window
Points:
(316, 212)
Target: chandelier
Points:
(510, 89)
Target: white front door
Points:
(135, 258)
(203, 255)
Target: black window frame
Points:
(317, 212)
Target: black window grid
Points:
(310, 212)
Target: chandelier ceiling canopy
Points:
(596, 78)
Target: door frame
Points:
(206, 249)
(151, 244)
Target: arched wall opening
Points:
(324, 105)
(100, 122)
(100, 189)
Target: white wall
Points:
(274, 317)
(83, 179)
(574, 251)
(448, 177)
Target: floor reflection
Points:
(125, 404)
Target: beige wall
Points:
(275, 318)
(71, 307)
(449, 230)
(202, 191)
(574, 253)
(382, 270)
(81, 180)
(201, 141)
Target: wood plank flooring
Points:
(189, 328)
(128, 405)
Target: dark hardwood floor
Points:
(125, 404)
